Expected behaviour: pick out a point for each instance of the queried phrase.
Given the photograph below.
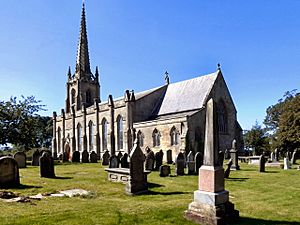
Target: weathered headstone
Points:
(36, 158)
(85, 156)
(262, 163)
(149, 163)
(119, 156)
(272, 156)
(190, 163)
(227, 171)
(9, 172)
(124, 161)
(211, 201)
(158, 159)
(164, 170)
(227, 154)
(169, 157)
(47, 166)
(180, 164)
(76, 156)
(276, 154)
(221, 158)
(286, 163)
(234, 156)
(138, 179)
(93, 157)
(198, 161)
(20, 157)
(113, 162)
(293, 160)
(105, 158)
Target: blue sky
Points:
(133, 42)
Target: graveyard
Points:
(267, 198)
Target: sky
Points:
(134, 42)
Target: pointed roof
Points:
(83, 60)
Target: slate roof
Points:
(187, 95)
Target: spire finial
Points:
(69, 73)
(219, 66)
(167, 78)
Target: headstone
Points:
(36, 158)
(93, 157)
(227, 171)
(164, 170)
(76, 156)
(286, 163)
(158, 159)
(169, 157)
(234, 156)
(276, 154)
(198, 161)
(105, 158)
(138, 179)
(272, 156)
(119, 156)
(149, 163)
(113, 162)
(211, 203)
(124, 161)
(20, 157)
(84, 156)
(262, 163)
(221, 158)
(227, 154)
(180, 164)
(190, 163)
(9, 172)
(293, 160)
(47, 166)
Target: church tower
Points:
(83, 87)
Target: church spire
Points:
(83, 60)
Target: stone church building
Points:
(170, 117)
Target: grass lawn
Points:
(268, 198)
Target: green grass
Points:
(262, 198)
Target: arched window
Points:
(222, 117)
(104, 134)
(59, 140)
(174, 134)
(79, 137)
(88, 96)
(140, 137)
(120, 132)
(156, 138)
(73, 94)
(91, 135)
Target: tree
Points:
(256, 139)
(20, 124)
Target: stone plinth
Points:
(211, 179)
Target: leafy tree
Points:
(20, 124)
(256, 139)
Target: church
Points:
(170, 118)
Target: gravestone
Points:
(138, 179)
(93, 157)
(272, 156)
(158, 159)
(119, 156)
(221, 158)
(234, 156)
(164, 170)
(227, 154)
(85, 156)
(47, 166)
(190, 163)
(293, 160)
(276, 154)
(9, 172)
(211, 203)
(76, 156)
(149, 163)
(113, 162)
(198, 161)
(227, 171)
(124, 161)
(169, 157)
(262, 163)
(180, 164)
(20, 157)
(36, 158)
(105, 158)
(286, 163)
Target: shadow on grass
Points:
(153, 185)
(62, 178)
(20, 186)
(237, 179)
(167, 193)
(271, 171)
(253, 221)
